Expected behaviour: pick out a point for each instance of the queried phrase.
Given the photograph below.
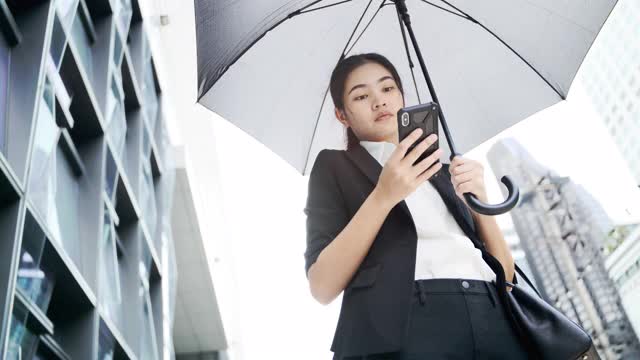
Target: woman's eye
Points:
(360, 97)
(388, 87)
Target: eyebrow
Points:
(363, 85)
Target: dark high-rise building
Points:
(87, 268)
(563, 230)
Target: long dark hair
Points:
(339, 77)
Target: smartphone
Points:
(424, 116)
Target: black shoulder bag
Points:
(545, 331)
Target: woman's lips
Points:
(383, 117)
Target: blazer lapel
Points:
(372, 169)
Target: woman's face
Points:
(369, 92)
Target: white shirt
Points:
(443, 250)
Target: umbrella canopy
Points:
(265, 65)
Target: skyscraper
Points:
(562, 230)
(624, 268)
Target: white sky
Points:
(264, 197)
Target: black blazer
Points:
(376, 302)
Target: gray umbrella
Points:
(265, 65)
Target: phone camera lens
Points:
(405, 119)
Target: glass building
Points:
(88, 266)
(563, 232)
(611, 77)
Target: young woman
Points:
(398, 238)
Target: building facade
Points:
(611, 77)
(563, 232)
(88, 269)
(624, 268)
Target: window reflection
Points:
(148, 344)
(106, 343)
(110, 297)
(53, 185)
(150, 97)
(22, 341)
(147, 193)
(58, 42)
(148, 85)
(82, 42)
(149, 348)
(67, 204)
(111, 177)
(42, 179)
(122, 11)
(66, 10)
(34, 280)
(116, 126)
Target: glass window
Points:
(149, 348)
(122, 11)
(58, 42)
(5, 62)
(53, 185)
(150, 96)
(110, 297)
(148, 85)
(116, 121)
(66, 10)
(22, 341)
(106, 343)
(82, 42)
(148, 197)
(67, 198)
(42, 178)
(147, 193)
(117, 51)
(34, 280)
(111, 177)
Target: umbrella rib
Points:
(366, 27)
(315, 128)
(321, 7)
(445, 9)
(470, 18)
(354, 30)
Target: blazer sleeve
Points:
(325, 210)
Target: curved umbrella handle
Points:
(488, 209)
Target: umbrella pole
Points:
(471, 199)
(404, 14)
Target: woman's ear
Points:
(341, 117)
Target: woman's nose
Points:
(378, 104)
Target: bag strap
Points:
(521, 273)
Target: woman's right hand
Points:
(399, 177)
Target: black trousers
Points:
(455, 319)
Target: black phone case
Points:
(423, 116)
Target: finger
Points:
(465, 187)
(404, 145)
(463, 177)
(415, 153)
(458, 160)
(420, 167)
(429, 172)
(461, 169)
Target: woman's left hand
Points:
(468, 176)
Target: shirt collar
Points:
(379, 150)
